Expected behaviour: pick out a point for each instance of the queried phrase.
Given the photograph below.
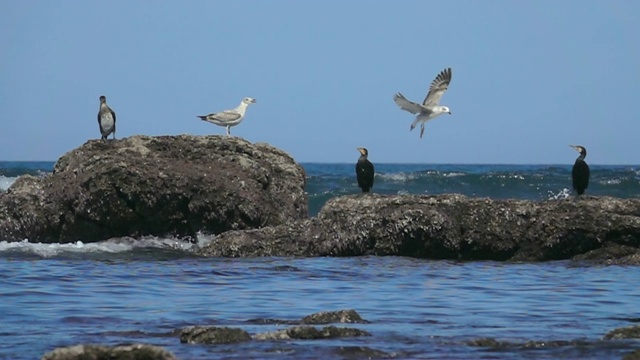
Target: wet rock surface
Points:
(451, 226)
(119, 352)
(306, 332)
(610, 346)
(162, 186)
(631, 332)
(213, 335)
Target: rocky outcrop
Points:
(451, 226)
(119, 352)
(163, 186)
(212, 335)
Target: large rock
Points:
(118, 352)
(165, 185)
(450, 226)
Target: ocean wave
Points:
(5, 182)
(25, 248)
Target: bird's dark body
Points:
(580, 172)
(364, 174)
(580, 176)
(106, 119)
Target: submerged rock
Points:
(119, 352)
(213, 335)
(450, 226)
(305, 332)
(328, 317)
(162, 186)
(631, 332)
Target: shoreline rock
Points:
(161, 186)
(453, 227)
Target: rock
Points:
(631, 332)
(119, 352)
(363, 352)
(309, 332)
(161, 186)
(449, 226)
(327, 317)
(212, 335)
(635, 355)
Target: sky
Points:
(529, 77)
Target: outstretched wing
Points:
(406, 105)
(438, 86)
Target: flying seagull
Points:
(429, 109)
(229, 118)
(106, 119)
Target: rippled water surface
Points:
(417, 308)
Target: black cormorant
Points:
(580, 172)
(106, 119)
(364, 171)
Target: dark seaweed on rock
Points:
(162, 186)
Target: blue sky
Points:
(529, 77)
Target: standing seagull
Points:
(429, 109)
(229, 118)
(580, 171)
(106, 119)
(364, 171)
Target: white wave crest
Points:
(5, 182)
(117, 245)
(562, 194)
(397, 177)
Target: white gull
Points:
(229, 118)
(430, 108)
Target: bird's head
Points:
(363, 151)
(103, 99)
(580, 149)
(248, 100)
(445, 109)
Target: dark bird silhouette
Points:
(580, 171)
(364, 171)
(106, 119)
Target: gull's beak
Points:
(253, 100)
(449, 112)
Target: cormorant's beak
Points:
(575, 147)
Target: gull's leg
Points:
(413, 124)
(421, 130)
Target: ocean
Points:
(124, 291)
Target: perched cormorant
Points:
(580, 172)
(106, 119)
(364, 171)
(430, 108)
(229, 118)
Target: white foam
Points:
(563, 194)
(117, 245)
(5, 182)
(397, 177)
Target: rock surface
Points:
(212, 335)
(119, 352)
(451, 226)
(630, 332)
(162, 186)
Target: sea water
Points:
(146, 290)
